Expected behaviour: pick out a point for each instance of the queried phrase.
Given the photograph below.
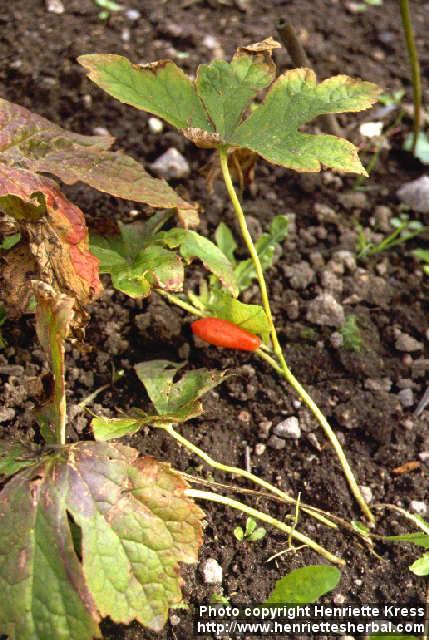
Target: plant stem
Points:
(180, 303)
(264, 517)
(283, 369)
(415, 67)
(242, 473)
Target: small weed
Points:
(404, 230)
(352, 339)
(252, 533)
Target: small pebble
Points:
(100, 131)
(418, 507)
(367, 493)
(378, 384)
(415, 194)
(325, 310)
(55, 6)
(300, 275)
(264, 429)
(174, 619)
(336, 339)
(312, 439)
(260, 448)
(424, 456)
(244, 416)
(405, 342)
(155, 125)
(275, 442)
(171, 164)
(132, 14)
(212, 571)
(288, 428)
(339, 598)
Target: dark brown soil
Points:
(388, 293)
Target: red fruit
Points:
(223, 333)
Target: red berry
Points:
(223, 333)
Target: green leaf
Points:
(34, 143)
(272, 130)
(14, 456)
(421, 566)
(10, 241)
(239, 534)
(418, 538)
(178, 399)
(54, 314)
(192, 245)
(422, 147)
(110, 428)
(160, 88)
(136, 525)
(225, 241)
(136, 274)
(257, 535)
(137, 235)
(154, 267)
(305, 585)
(228, 88)
(250, 317)
(265, 246)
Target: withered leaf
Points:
(135, 524)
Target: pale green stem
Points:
(180, 303)
(264, 517)
(415, 67)
(284, 369)
(242, 473)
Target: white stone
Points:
(325, 310)
(367, 493)
(171, 164)
(55, 6)
(418, 507)
(415, 194)
(132, 14)
(212, 571)
(371, 129)
(288, 428)
(155, 125)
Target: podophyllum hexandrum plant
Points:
(217, 110)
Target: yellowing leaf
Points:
(272, 130)
(90, 532)
(160, 88)
(34, 143)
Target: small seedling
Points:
(423, 255)
(252, 532)
(352, 339)
(107, 7)
(218, 598)
(404, 230)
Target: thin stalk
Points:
(284, 369)
(265, 517)
(242, 473)
(415, 66)
(180, 303)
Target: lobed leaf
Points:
(272, 130)
(160, 88)
(192, 245)
(135, 523)
(29, 141)
(305, 585)
(228, 88)
(178, 401)
(419, 538)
